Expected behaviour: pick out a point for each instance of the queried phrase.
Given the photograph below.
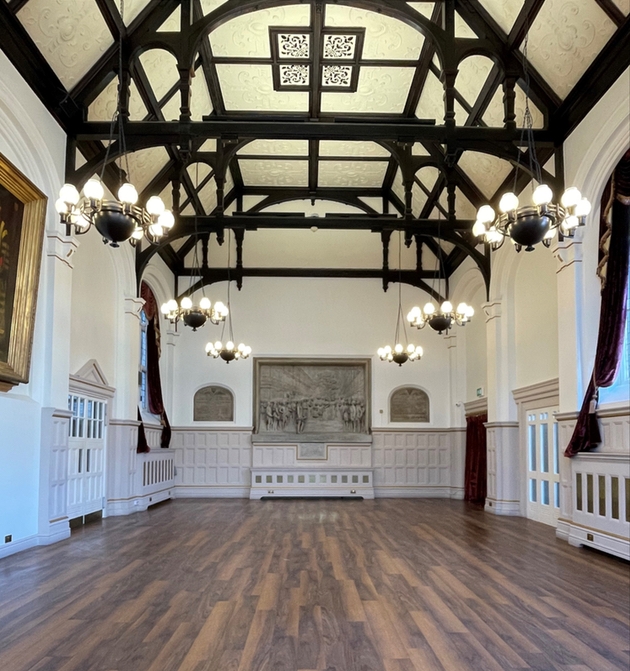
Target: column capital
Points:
(171, 337)
(567, 253)
(133, 306)
(492, 310)
(61, 247)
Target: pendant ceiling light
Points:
(441, 318)
(116, 220)
(193, 315)
(527, 225)
(228, 351)
(400, 353)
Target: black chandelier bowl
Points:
(440, 323)
(400, 358)
(114, 224)
(227, 355)
(195, 319)
(530, 227)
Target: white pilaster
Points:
(128, 359)
(168, 369)
(503, 490)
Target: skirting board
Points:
(600, 540)
(116, 508)
(412, 492)
(18, 546)
(503, 507)
(61, 533)
(210, 492)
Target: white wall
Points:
(35, 144)
(476, 349)
(536, 315)
(311, 317)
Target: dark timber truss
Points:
(443, 144)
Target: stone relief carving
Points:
(213, 404)
(313, 400)
(409, 404)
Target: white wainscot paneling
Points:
(412, 463)
(283, 456)
(212, 462)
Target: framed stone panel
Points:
(213, 404)
(311, 400)
(409, 404)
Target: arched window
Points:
(213, 404)
(409, 404)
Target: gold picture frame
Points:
(22, 224)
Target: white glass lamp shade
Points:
(166, 220)
(186, 303)
(470, 311)
(390, 356)
(478, 229)
(447, 306)
(229, 345)
(429, 309)
(220, 310)
(164, 309)
(380, 352)
(387, 349)
(398, 349)
(241, 347)
(493, 235)
(571, 222)
(550, 234)
(209, 347)
(508, 202)
(69, 194)
(155, 206)
(414, 313)
(583, 208)
(542, 195)
(486, 214)
(248, 350)
(419, 351)
(61, 206)
(571, 197)
(205, 303)
(411, 348)
(128, 194)
(461, 308)
(172, 305)
(81, 222)
(93, 189)
(156, 230)
(218, 345)
(137, 233)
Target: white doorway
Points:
(543, 466)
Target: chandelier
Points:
(193, 315)
(400, 353)
(228, 351)
(528, 224)
(116, 220)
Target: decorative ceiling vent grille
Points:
(294, 45)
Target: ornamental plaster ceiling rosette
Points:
(351, 148)
(351, 173)
(248, 35)
(564, 40)
(274, 173)
(378, 90)
(72, 36)
(250, 88)
(385, 38)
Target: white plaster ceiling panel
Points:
(72, 36)
(200, 103)
(105, 104)
(209, 145)
(487, 172)
(379, 90)
(145, 164)
(208, 6)
(319, 209)
(385, 37)
(351, 148)
(428, 176)
(189, 210)
(375, 203)
(131, 9)
(504, 12)
(419, 149)
(397, 185)
(172, 24)
(351, 173)
(494, 114)
(274, 173)
(472, 75)
(250, 88)
(419, 199)
(198, 172)
(208, 196)
(160, 67)
(170, 109)
(248, 35)
(424, 8)
(277, 147)
(624, 6)
(462, 29)
(464, 209)
(565, 38)
(251, 201)
(167, 196)
(431, 103)
(229, 183)
(461, 115)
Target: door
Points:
(543, 467)
(86, 455)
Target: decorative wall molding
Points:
(478, 406)
(567, 252)
(133, 306)
(546, 393)
(61, 247)
(91, 380)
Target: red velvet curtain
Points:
(475, 473)
(612, 315)
(154, 383)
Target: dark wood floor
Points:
(389, 585)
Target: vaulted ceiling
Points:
(259, 115)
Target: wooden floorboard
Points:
(314, 585)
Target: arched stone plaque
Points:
(213, 404)
(409, 404)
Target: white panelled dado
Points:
(86, 455)
(543, 467)
(358, 454)
(311, 481)
(418, 463)
(212, 462)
